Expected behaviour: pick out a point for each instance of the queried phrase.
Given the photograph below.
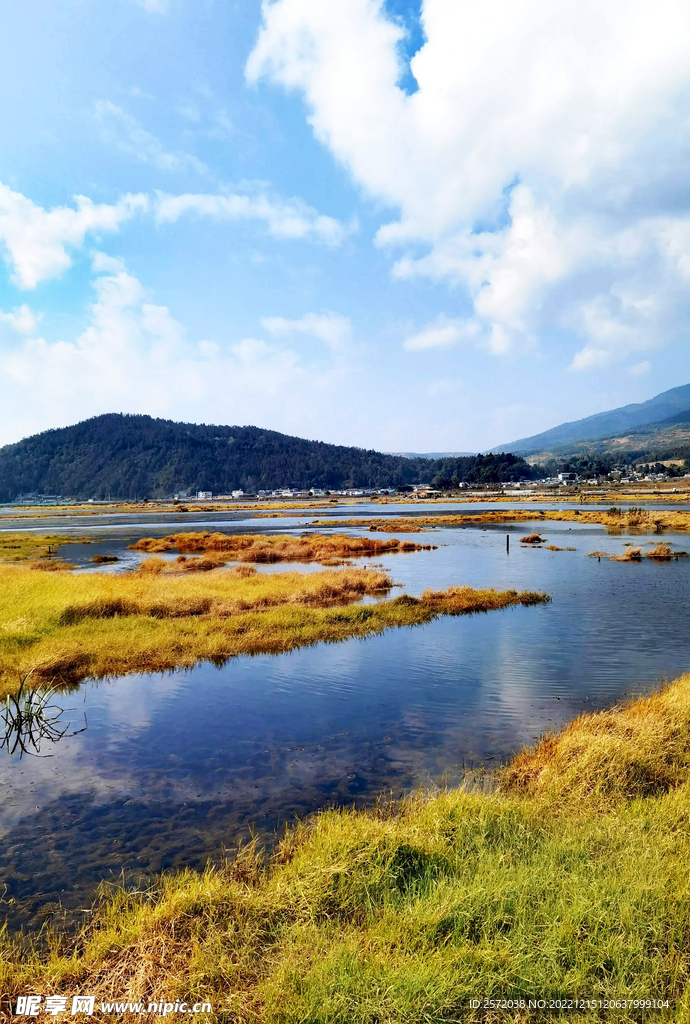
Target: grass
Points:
(631, 555)
(22, 547)
(63, 627)
(616, 519)
(532, 538)
(260, 548)
(568, 882)
(659, 553)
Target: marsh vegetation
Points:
(220, 548)
(570, 877)
(64, 627)
(616, 519)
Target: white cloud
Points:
(283, 219)
(124, 131)
(36, 240)
(540, 164)
(614, 325)
(334, 330)
(442, 333)
(134, 356)
(22, 319)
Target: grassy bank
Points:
(635, 519)
(262, 549)
(62, 627)
(569, 882)
(21, 547)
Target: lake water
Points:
(162, 771)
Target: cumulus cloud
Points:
(283, 219)
(134, 356)
(22, 319)
(36, 241)
(541, 162)
(126, 133)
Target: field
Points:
(568, 882)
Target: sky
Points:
(411, 226)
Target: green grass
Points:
(553, 890)
(404, 917)
(62, 627)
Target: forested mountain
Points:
(614, 423)
(134, 457)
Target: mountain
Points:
(654, 442)
(130, 457)
(603, 425)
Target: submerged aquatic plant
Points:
(29, 719)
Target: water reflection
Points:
(29, 721)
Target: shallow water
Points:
(168, 770)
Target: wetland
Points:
(174, 767)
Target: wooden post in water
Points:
(507, 543)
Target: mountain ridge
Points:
(598, 427)
(135, 456)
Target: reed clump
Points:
(661, 553)
(631, 555)
(532, 538)
(64, 627)
(264, 549)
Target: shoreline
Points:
(570, 878)
(59, 628)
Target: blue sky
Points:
(410, 226)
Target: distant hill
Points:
(654, 442)
(134, 457)
(603, 425)
(433, 455)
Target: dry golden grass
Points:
(532, 538)
(554, 547)
(64, 627)
(631, 555)
(22, 547)
(616, 519)
(316, 547)
(635, 750)
(661, 553)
